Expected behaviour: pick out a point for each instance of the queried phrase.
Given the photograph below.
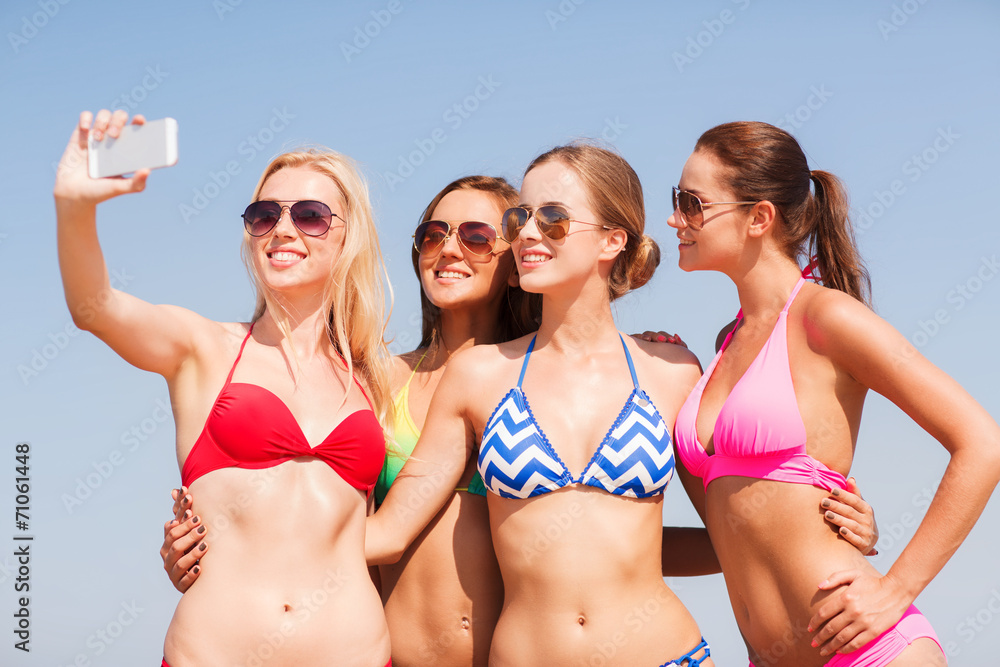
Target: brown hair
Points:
(523, 312)
(615, 194)
(765, 163)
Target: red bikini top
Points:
(250, 427)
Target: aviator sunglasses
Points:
(552, 221)
(312, 218)
(479, 238)
(692, 209)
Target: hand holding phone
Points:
(74, 187)
(150, 145)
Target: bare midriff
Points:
(285, 581)
(443, 598)
(775, 549)
(583, 584)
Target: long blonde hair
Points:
(354, 292)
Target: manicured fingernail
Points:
(829, 515)
(836, 492)
(202, 546)
(843, 530)
(809, 629)
(825, 503)
(661, 338)
(195, 519)
(187, 514)
(196, 569)
(201, 530)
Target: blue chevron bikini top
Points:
(635, 458)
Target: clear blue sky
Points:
(897, 98)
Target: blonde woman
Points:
(278, 419)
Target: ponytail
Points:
(831, 238)
(765, 163)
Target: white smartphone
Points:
(148, 146)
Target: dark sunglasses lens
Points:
(313, 218)
(261, 217)
(553, 221)
(478, 238)
(430, 235)
(690, 207)
(513, 220)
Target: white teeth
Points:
(285, 256)
(534, 258)
(683, 242)
(451, 274)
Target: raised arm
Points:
(879, 357)
(150, 337)
(433, 470)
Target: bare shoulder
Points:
(674, 358)
(491, 358)
(667, 370)
(833, 319)
(219, 341)
(477, 376)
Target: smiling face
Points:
(723, 234)
(543, 263)
(286, 260)
(454, 278)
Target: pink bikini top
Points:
(759, 432)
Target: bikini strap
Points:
(527, 355)
(795, 290)
(631, 366)
(812, 269)
(229, 378)
(406, 386)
